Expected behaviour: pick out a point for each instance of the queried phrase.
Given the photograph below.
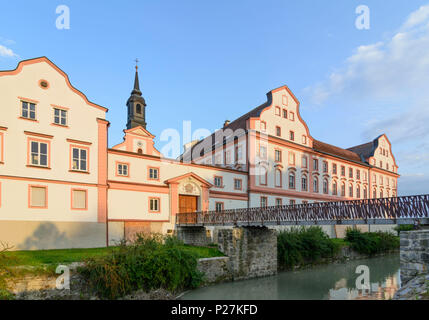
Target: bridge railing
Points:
(408, 207)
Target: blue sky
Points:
(208, 61)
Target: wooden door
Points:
(188, 204)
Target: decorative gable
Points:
(138, 140)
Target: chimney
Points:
(227, 122)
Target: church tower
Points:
(136, 106)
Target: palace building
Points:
(61, 186)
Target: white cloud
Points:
(6, 52)
(383, 69)
(417, 17)
(387, 82)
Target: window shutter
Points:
(38, 197)
(79, 199)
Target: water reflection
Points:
(331, 282)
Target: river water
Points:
(327, 282)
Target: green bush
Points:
(404, 227)
(151, 262)
(371, 243)
(304, 246)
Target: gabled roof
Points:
(239, 123)
(365, 150)
(335, 151)
(23, 63)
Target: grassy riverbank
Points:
(150, 263)
(300, 247)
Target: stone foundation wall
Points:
(194, 236)
(215, 269)
(252, 252)
(414, 254)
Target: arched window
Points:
(138, 109)
(343, 189)
(335, 188)
(381, 194)
(325, 186)
(304, 183)
(365, 193)
(291, 180)
(351, 191)
(358, 192)
(278, 178)
(316, 185)
(374, 194)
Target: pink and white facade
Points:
(61, 185)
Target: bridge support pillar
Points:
(414, 254)
(194, 236)
(252, 251)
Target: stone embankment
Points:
(414, 266)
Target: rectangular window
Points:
(79, 199)
(262, 176)
(28, 110)
(153, 173)
(38, 197)
(60, 117)
(238, 184)
(291, 116)
(80, 159)
(292, 202)
(278, 131)
(264, 202)
(285, 113)
(304, 139)
(154, 205)
(279, 202)
(334, 168)
(263, 152)
(292, 158)
(325, 167)
(1, 147)
(343, 171)
(228, 157)
(39, 153)
(358, 174)
(263, 126)
(278, 156)
(219, 206)
(351, 173)
(315, 164)
(304, 162)
(238, 153)
(292, 136)
(278, 111)
(218, 182)
(122, 169)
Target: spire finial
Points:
(137, 64)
